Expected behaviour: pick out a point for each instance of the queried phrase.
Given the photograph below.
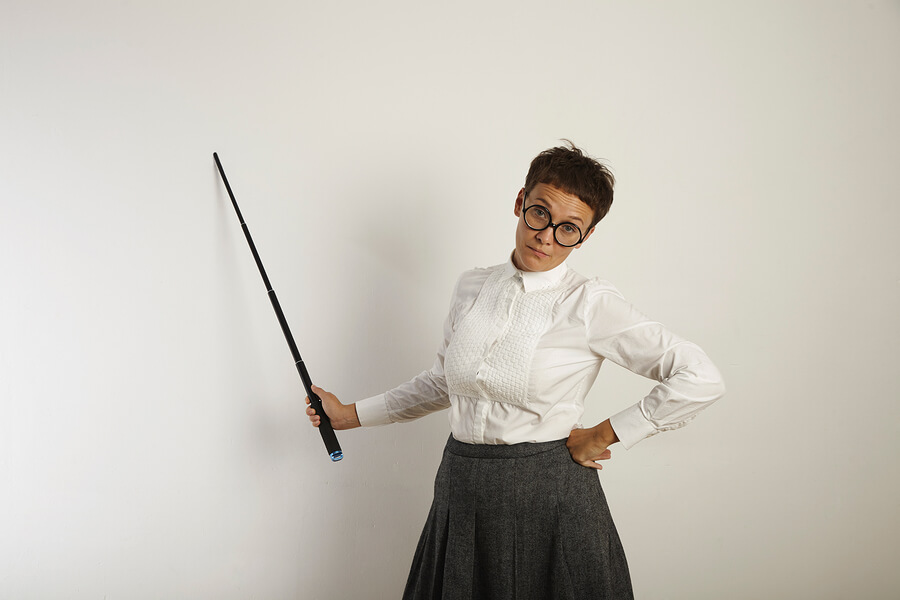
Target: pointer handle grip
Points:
(325, 428)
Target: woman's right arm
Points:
(422, 395)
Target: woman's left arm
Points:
(688, 381)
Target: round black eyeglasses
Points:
(538, 218)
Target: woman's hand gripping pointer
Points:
(343, 416)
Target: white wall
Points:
(152, 436)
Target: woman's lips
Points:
(538, 253)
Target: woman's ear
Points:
(520, 201)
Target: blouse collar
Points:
(537, 280)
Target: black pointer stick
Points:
(331, 442)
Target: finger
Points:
(307, 400)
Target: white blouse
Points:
(521, 350)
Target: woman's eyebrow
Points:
(547, 205)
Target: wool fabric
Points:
(517, 522)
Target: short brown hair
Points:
(572, 171)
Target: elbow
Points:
(708, 384)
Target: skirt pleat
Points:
(517, 522)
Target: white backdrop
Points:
(152, 436)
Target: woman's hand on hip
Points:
(587, 446)
(343, 416)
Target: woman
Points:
(518, 510)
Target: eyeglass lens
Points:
(538, 218)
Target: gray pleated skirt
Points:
(521, 522)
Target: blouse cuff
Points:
(373, 411)
(631, 426)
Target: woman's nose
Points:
(545, 235)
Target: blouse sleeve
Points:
(687, 379)
(420, 396)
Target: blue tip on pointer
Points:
(337, 455)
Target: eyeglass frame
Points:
(549, 223)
